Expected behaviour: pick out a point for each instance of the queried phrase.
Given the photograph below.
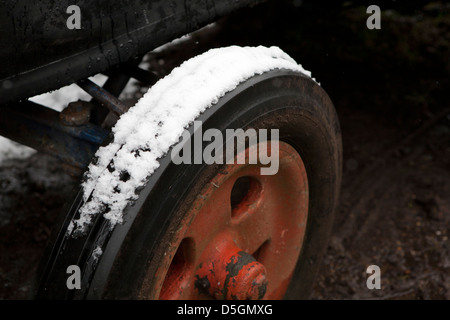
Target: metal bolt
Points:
(76, 114)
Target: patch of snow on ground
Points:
(13, 150)
(149, 129)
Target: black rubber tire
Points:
(280, 99)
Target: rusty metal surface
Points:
(104, 97)
(231, 274)
(76, 114)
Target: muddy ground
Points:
(390, 88)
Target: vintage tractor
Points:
(142, 226)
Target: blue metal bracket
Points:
(39, 128)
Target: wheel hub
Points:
(231, 273)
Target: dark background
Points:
(390, 88)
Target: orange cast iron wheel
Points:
(242, 236)
(200, 231)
